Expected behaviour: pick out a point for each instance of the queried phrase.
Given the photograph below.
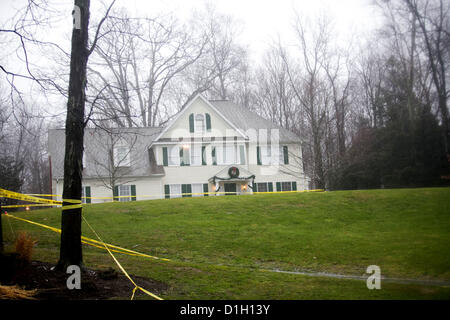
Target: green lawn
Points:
(220, 243)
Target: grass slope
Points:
(404, 231)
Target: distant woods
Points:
(371, 113)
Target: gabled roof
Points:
(187, 106)
(239, 118)
(245, 119)
(96, 148)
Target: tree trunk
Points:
(319, 178)
(445, 121)
(1, 230)
(70, 250)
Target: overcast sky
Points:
(261, 21)
(264, 20)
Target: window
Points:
(219, 154)
(122, 154)
(186, 190)
(84, 157)
(284, 155)
(185, 158)
(262, 187)
(174, 156)
(197, 190)
(242, 154)
(266, 155)
(286, 186)
(226, 154)
(86, 194)
(229, 154)
(124, 193)
(199, 123)
(196, 156)
(175, 190)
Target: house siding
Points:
(150, 184)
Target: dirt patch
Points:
(51, 284)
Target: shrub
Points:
(24, 245)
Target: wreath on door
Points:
(233, 172)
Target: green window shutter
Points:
(181, 157)
(88, 194)
(213, 154)
(242, 154)
(278, 186)
(294, 186)
(205, 189)
(203, 156)
(191, 122)
(208, 122)
(165, 157)
(186, 190)
(167, 191)
(285, 154)
(255, 187)
(133, 192)
(270, 184)
(116, 193)
(258, 155)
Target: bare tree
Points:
(112, 166)
(136, 62)
(310, 88)
(70, 250)
(219, 70)
(275, 97)
(433, 19)
(419, 31)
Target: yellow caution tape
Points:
(163, 195)
(91, 242)
(105, 246)
(73, 206)
(19, 196)
(136, 287)
(28, 205)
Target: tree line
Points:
(370, 114)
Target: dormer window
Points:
(122, 154)
(199, 123)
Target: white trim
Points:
(196, 129)
(122, 197)
(187, 107)
(162, 143)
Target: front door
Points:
(230, 189)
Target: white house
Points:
(209, 148)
